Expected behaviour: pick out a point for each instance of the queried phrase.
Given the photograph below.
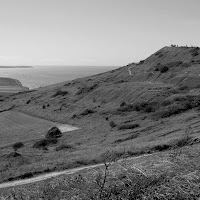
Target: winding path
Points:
(54, 174)
(129, 71)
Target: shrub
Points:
(112, 124)
(54, 132)
(162, 147)
(184, 87)
(165, 67)
(126, 108)
(17, 145)
(44, 142)
(87, 112)
(43, 107)
(28, 101)
(60, 93)
(123, 104)
(128, 126)
(86, 89)
(141, 62)
(194, 52)
(143, 106)
(161, 68)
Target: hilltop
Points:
(143, 107)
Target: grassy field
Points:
(149, 111)
(169, 175)
(15, 126)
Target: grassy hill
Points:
(142, 107)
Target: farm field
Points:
(16, 126)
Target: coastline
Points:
(10, 86)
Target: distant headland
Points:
(16, 67)
(10, 85)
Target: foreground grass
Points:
(172, 175)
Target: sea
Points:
(40, 76)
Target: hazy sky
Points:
(93, 32)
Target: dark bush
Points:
(194, 52)
(44, 143)
(123, 104)
(161, 68)
(26, 175)
(126, 108)
(54, 132)
(165, 67)
(74, 116)
(181, 142)
(43, 107)
(162, 147)
(112, 124)
(64, 147)
(184, 87)
(143, 106)
(87, 112)
(60, 93)
(128, 126)
(17, 145)
(85, 89)
(28, 101)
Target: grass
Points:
(144, 97)
(15, 126)
(152, 177)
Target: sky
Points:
(93, 32)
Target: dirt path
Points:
(66, 128)
(129, 71)
(54, 174)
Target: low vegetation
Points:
(194, 52)
(60, 93)
(17, 145)
(43, 143)
(164, 108)
(165, 67)
(128, 126)
(86, 89)
(175, 176)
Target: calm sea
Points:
(43, 75)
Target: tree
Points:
(17, 146)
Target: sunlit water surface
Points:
(39, 76)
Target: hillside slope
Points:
(143, 107)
